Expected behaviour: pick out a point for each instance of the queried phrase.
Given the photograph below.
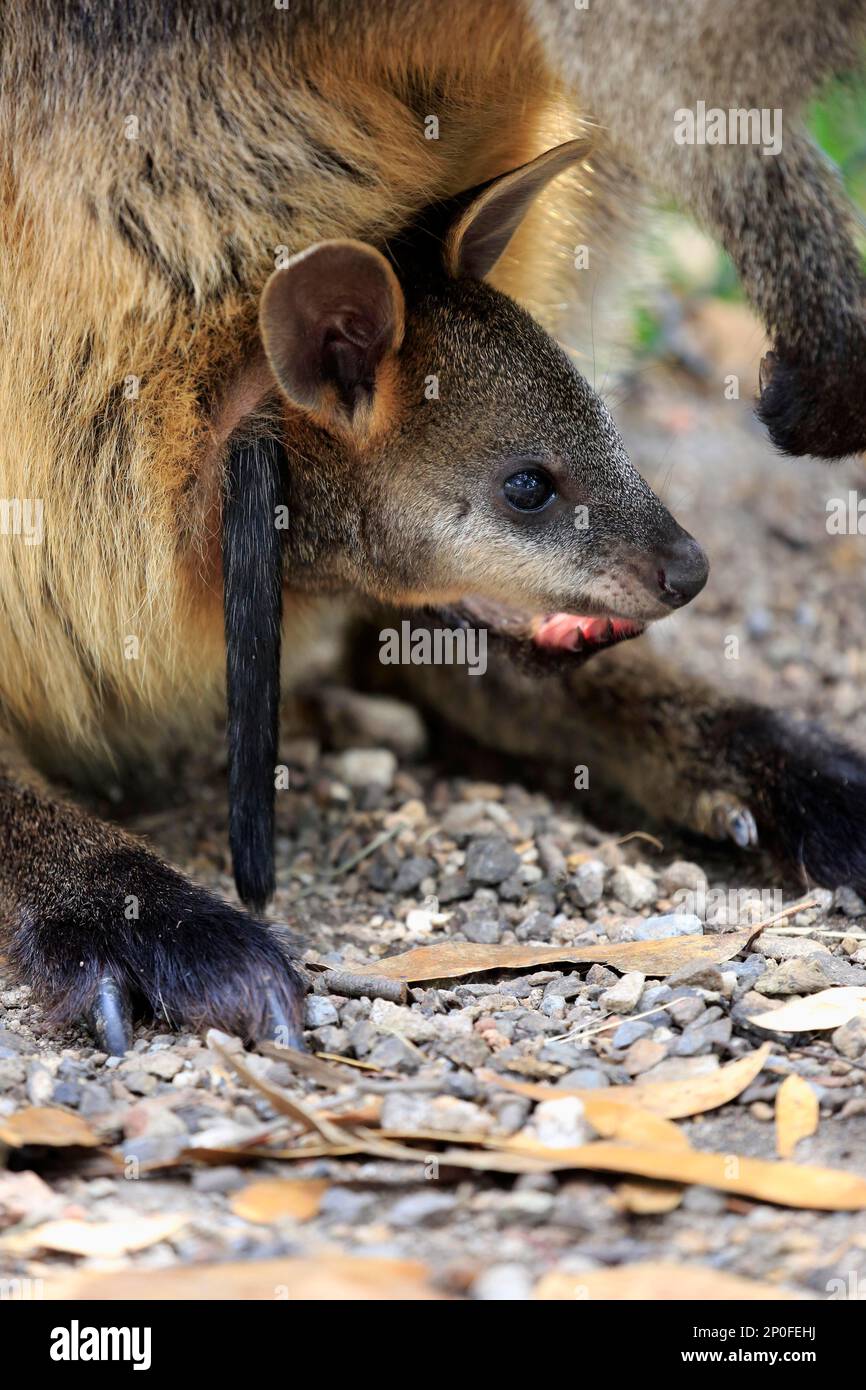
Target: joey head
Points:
(506, 497)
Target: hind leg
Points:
(724, 768)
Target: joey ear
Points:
(488, 220)
(327, 322)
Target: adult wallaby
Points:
(164, 396)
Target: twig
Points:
(582, 855)
(353, 1062)
(376, 843)
(780, 916)
(305, 1064)
(821, 931)
(329, 874)
(282, 1102)
(611, 1023)
(351, 986)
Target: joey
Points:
(466, 504)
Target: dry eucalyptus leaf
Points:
(451, 959)
(630, 1125)
(645, 1198)
(216, 1156)
(788, 1184)
(106, 1238)
(657, 1281)
(275, 1198)
(43, 1124)
(696, 1094)
(829, 1008)
(24, 1196)
(367, 1112)
(796, 1114)
(674, 1100)
(326, 1277)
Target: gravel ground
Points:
(481, 858)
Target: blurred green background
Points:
(692, 269)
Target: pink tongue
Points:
(564, 630)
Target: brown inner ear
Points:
(328, 321)
(484, 228)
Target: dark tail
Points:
(253, 601)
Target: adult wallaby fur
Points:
(165, 392)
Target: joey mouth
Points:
(549, 641)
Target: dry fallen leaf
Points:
(352, 1062)
(829, 1008)
(796, 1114)
(391, 1146)
(274, 1198)
(307, 1064)
(25, 1196)
(672, 1099)
(282, 1101)
(326, 1277)
(42, 1124)
(106, 1238)
(367, 1112)
(655, 1282)
(607, 1115)
(454, 958)
(788, 1184)
(697, 1094)
(645, 1198)
(629, 1125)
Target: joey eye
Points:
(529, 490)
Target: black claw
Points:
(769, 362)
(111, 1018)
(742, 829)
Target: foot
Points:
(722, 816)
(808, 795)
(140, 938)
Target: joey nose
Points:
(682, 572)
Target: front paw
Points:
(817, 409)
(140, 938)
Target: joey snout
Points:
(647, 580)
(664, 577)
(681, 570)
